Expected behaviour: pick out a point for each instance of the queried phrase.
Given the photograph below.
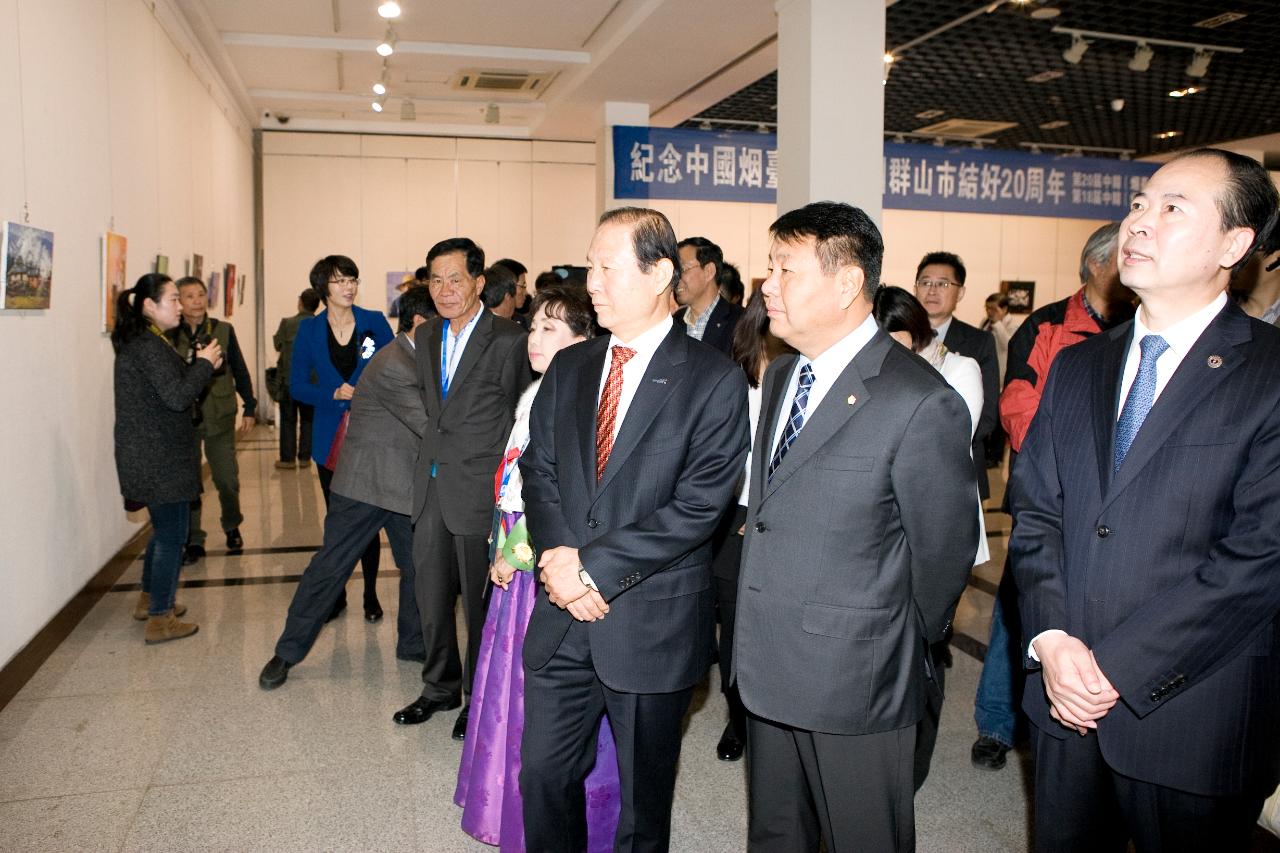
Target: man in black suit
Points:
(372, 490)
(472, 368)
(940, 287)
(848, 571)
(636, 443)
(706, 315)
(1146, 540)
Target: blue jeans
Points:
(163, 559)
(995, 707)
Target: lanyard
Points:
(449, 356)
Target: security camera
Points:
(284, 119)
(1117, 105)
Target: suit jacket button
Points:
(1103, 531)
(592, 523)
(1155, 695)
(760, 528)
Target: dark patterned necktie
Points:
(1142, 395)
(795, 423)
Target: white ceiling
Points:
(312, 62)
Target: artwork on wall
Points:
(240, 297)
(115, 249)
(229, 304)
(162, 264)
(214, 279)
(197, 266)
(1022, 296)
(26, 267)
(397, 283)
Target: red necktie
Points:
(609, 408)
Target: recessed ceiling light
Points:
(377, 106)
(1190, 90)
(1168, 134)
(1054, 125)
(379, 89)
(1046, 13)
(890, 58)
(1045, 76)
(1218, 20)
(928, 114)
(389, 9)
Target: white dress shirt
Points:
(943, 328)
(645, 344)
(1180, 337)
(454, 343)
(827, 368)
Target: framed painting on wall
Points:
(115, 250)
(214, 279)
(162, 264)
(26, 267)
(197, 266)
(1022, 296)
(229, 304)
(240, 296)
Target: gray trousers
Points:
(220, 450)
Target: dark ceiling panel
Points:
(979, 70)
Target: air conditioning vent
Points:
(500, 81)
(967, 127)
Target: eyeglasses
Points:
(936, 284)
(344, 280)
(689, 266)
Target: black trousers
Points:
(348, 524)
(852, 791)
(563, 703)
(726, 564)
(371, 554)
(448, 565)
(1082, 804)
(927, 728)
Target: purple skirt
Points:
(489, 776)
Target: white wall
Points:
(385, 200)
(116, 123)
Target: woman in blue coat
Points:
(329, 354)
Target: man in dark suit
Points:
(940, 287)
(472, 368)
(847, 574)
(636, 443)
(1146, 539)
(706, 315)
(372, 490)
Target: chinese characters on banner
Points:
(660, 163)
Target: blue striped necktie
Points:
(1142, 396)
(796, 422)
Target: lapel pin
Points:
(1215, 361)
(852, 399)
(661, 381)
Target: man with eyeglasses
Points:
(472, 368)
(706, 316)
(940, 287)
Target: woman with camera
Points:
(157, 458)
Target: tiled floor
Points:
(117, 746)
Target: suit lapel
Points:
(476, 345)
(430, 331)
(1194, 380)
(845, 399)
(1106, 386)
(665, 372)
(588, 402)
(773, 398)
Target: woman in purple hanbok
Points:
(488, 779)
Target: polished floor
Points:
(114, 745)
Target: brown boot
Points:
(162, 629)
(142, 610)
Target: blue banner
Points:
(702, 165)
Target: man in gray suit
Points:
(847, 574)
(372, 489)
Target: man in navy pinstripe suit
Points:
(1146, 542)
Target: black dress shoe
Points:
(420, 710)
(372, 611)
(460, 724)
(338, 607)
(988, 754)
(730, 746)
(192, 554)
(235, 542)
(275, 673)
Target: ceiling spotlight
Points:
(1199, 64)
(388, 45)
(939, 142)
(705, 125)
(888, 66)
(1190, 90)
(491, 115)
(1168, 134)
(762, 128)
(899, 138)
(1033, 148)
(1141, 57)
(377, 105)
(389, 9)
(379, 89)
(1075, 53)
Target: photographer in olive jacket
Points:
(215, 412)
